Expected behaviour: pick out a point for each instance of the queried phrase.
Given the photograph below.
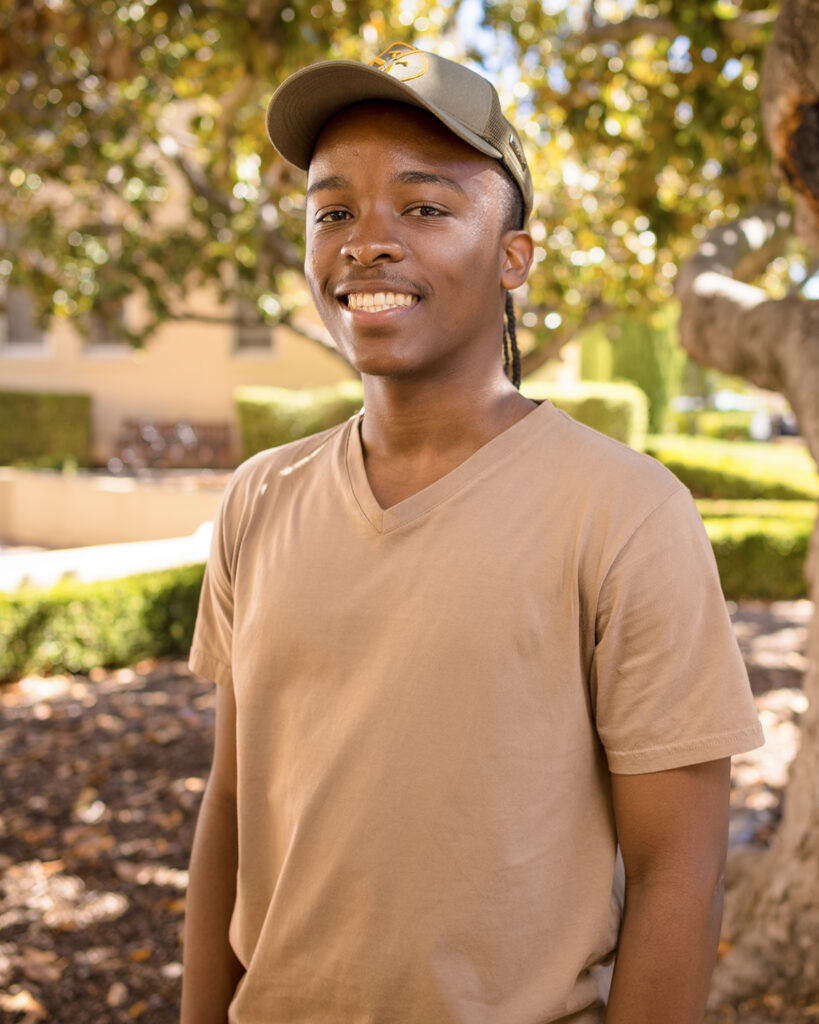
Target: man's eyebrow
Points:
(427, 178)
(331, 181)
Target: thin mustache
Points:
(381, 284)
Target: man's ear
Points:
(517, 251)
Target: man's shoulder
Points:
(593, 462)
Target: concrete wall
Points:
(187, 371)
(53, 510)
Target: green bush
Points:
(726, 469)
(760, 548)
(641, 350)
(728, 426)
(760, 557)
(74, 627)
(619, 410)
(45, 430)
(272, 416)
(805, 511)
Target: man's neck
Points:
(413, 434)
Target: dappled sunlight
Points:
(41, 890)
(102, 781)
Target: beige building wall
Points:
(187, 371)
(53, 510)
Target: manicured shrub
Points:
(760, 557)
(272, 416)
(641, 350)
(804, 511)
(619, 409)
(725, 469)
(45, 429)
(728, 426)
(74, 627)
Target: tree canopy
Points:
(642, 121)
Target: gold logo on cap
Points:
(402, 61)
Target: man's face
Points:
(405, 243)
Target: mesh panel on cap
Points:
(497, 128)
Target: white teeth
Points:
(375, 302)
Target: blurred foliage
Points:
(645, 129)
(730, 425)
(761, 557)
(738, 471)
(46, 430)
(641, 134)
(270, 416)
(619, 410)
(641, 350)
(75, 627)
(111, 109)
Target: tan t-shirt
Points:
(429, 701)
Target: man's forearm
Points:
(211, 970)
(666, 954)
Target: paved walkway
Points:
(40, 568)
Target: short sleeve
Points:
(211, 650)
(668, 683)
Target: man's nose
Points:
(371, 241)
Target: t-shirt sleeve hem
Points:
(204, 664)
(677, 755)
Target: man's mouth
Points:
(377, 302)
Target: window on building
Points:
(21, 327)
(104, 324)
(251, 332)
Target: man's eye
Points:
(422, 210)
(332, 216)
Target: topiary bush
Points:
(760, 557)
(725, 469)
(74, 627)
(44, 429)
(272, 416)
(619, 410)
(727, 425)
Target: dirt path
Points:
(101, 780)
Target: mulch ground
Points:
(101, 778)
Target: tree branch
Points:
(629, 28)
(741, 29)
(735, 327)
(312, 334)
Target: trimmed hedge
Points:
(714, 423)
(760, 557)
(760, 548)
(617, 409)
(74, 627)
(726, 469)
(272, 416)
(45, 429)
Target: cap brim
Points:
(306, 101)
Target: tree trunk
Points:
(771, 927)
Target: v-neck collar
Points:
(383, 520)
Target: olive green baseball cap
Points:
(462, 100)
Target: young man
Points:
(466, 648)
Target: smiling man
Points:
(478, 688)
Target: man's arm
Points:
(672, 828)
(211, 970)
